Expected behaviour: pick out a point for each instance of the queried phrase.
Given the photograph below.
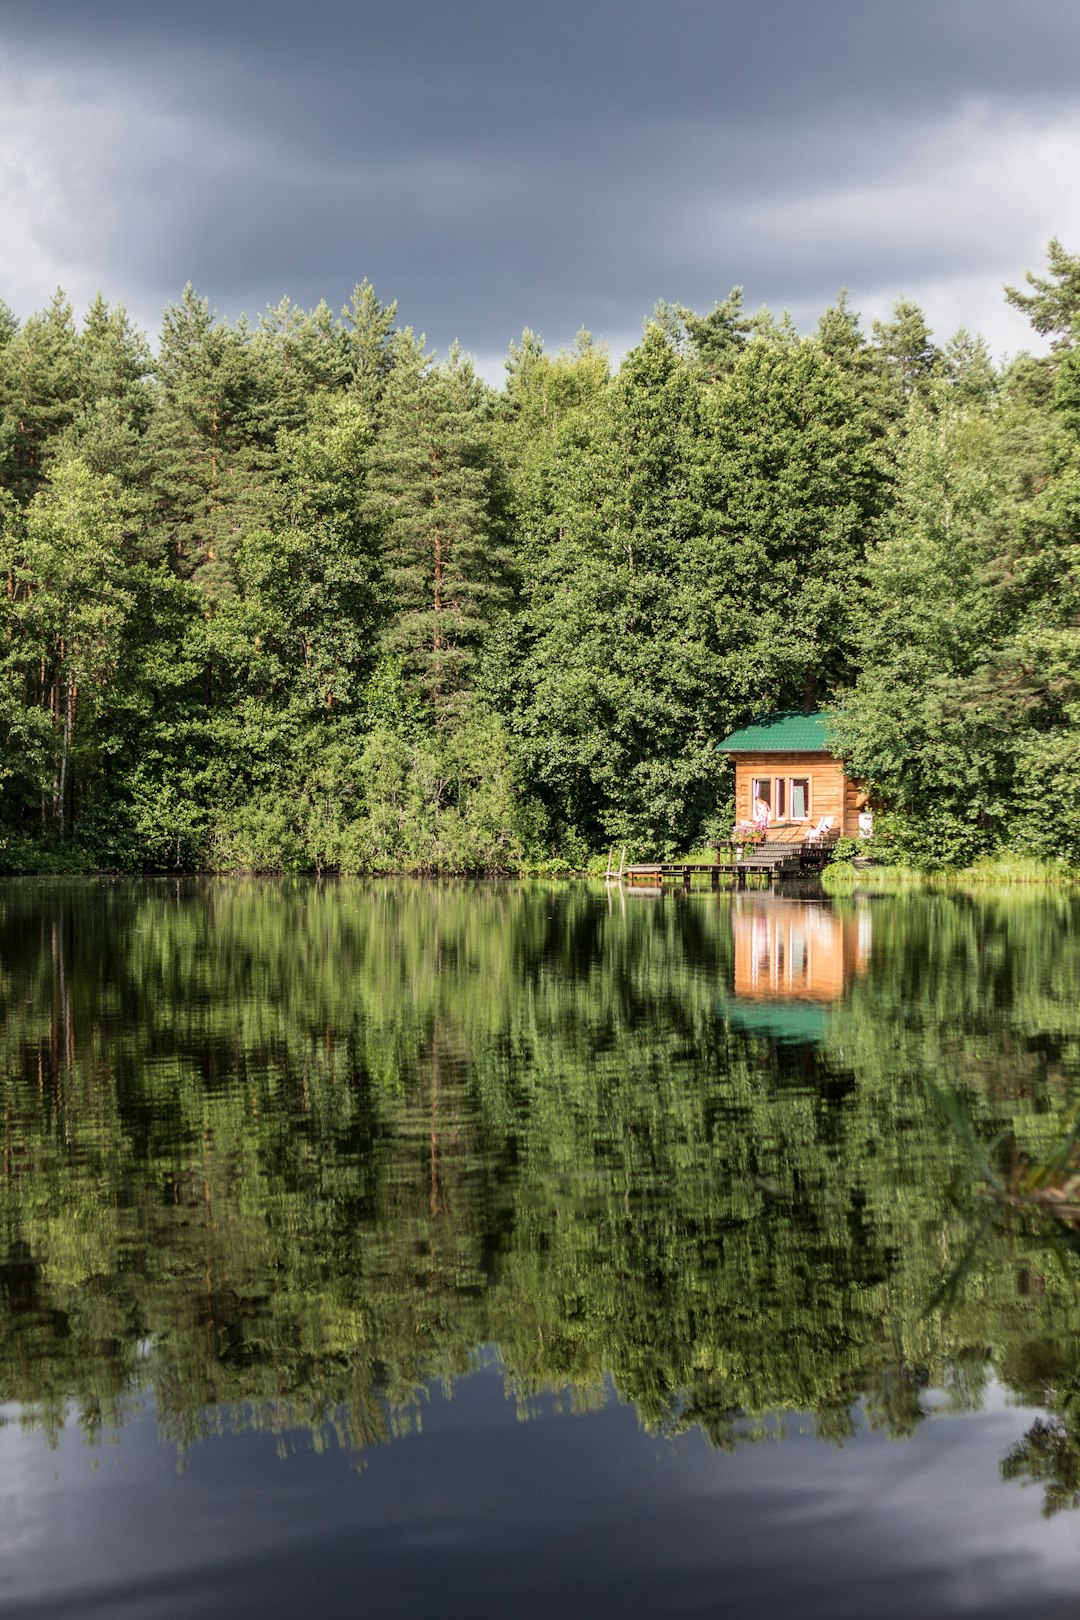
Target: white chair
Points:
(818, 834)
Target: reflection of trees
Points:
(1049, 1454)
(284, 1154)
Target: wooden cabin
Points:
(784, 760)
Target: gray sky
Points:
(494, 164)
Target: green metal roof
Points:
(785, 731)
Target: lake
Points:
(378, 1247)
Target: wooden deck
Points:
(769, 861)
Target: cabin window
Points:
(788, 797)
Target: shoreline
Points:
(838, 879)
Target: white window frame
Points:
(809, 780)
(785, 785)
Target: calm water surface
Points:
(385, 1249)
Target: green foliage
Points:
(38, 394)
(1053, 305)
(792, 482)
(905, 352)
(436, 489)
(604, 680)
(963, 719)
(69, 601)
(717, 338)
(258, 579)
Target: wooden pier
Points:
(684, 872)
(769, 861)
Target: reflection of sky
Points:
(483, 1515)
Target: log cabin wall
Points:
(831, 792)
(854, 800)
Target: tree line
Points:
(296, 594)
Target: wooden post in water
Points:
(610, 876)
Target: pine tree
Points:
(113, 373)
(208, 440)
(369, 342)
(39, 395)
(542, 389)
(438, 491)
(301, 359)
(905, 351)
(1053, 305)
(717, 338)
(968, 369)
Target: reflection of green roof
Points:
(785, 731)
(797, 1023)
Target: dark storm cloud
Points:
(492, 165)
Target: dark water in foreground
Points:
(383, 1249)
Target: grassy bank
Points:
(843, 878)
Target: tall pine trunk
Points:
(65, 754)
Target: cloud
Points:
(947, 213)
(551, 177)
(82, 166)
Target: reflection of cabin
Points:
(788, 952)
(784, 760)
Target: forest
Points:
(298, 595)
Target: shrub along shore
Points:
(294, 595)
(1000, 872)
